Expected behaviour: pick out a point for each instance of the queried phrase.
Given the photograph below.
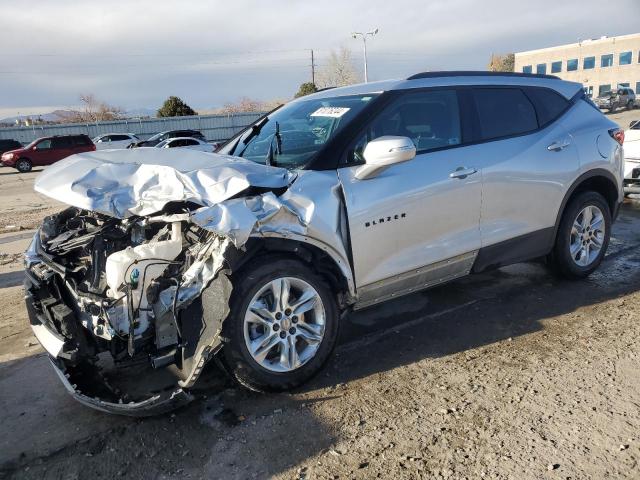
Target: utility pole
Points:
(313, 69)
(364, 43)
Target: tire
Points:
(24, 165)
(274, 374)
(587, 258)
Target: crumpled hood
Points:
(141, 181)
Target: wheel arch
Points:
(322, 260)
(597, 180)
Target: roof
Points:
(453, 78)
(588, 42)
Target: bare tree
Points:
(246, 104)
(340, 70)
(93, 110)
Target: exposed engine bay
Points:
(124, 288)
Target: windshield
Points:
(155, 137)
(163, 143)
(292, 135)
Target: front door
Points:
(416, 223)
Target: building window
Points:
(624, 84)
(556, 67)
(588, 91)
(572, 65)
(625, 58)
(541, 68)
(603, 88)
(606, 60)
(527, 69)
(589, 63)
(638, 88)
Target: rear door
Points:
(82, 143)
(527, 157)
(416, 223)
(120, 141)
(61, 147)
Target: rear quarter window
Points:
(503, 112)
(81, 141)
(548, 104)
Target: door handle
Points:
(462, 172)
(560, 145)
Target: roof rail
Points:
(479, 73)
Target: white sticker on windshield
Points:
(334, 112)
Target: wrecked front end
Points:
(118, 305)
(128, 289)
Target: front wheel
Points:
(24, 165)
(583, 236)
(282, 327)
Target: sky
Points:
(134, 54)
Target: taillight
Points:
(617, 134)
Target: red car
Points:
(46, 150)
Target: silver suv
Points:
(335, 202)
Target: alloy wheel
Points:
(587, 236)
(284, 324)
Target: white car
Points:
(633, 133)
(186, 142)
(115, 140)
(632, 160)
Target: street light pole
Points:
(364, 43)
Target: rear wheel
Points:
(282, 327)
(583, 236)
(24, 165)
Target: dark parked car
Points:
(46, 150)
(159, 137)
(7, 145)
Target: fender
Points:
(614, 203)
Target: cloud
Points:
(135, 54)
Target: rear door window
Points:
(549, 105)
(80, 140)
(503, 112)
(61, 142)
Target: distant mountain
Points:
(141, 112)
(58, 114)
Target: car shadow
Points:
(12, 171)
(11, 279)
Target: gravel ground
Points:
(510, 374)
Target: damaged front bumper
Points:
(154, 405)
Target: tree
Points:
(246, 104)
(339, 71)
(175, 107)
(93, 110)
(502, 63)
(306, 88)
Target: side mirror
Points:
(383, 152)
(34, 148)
